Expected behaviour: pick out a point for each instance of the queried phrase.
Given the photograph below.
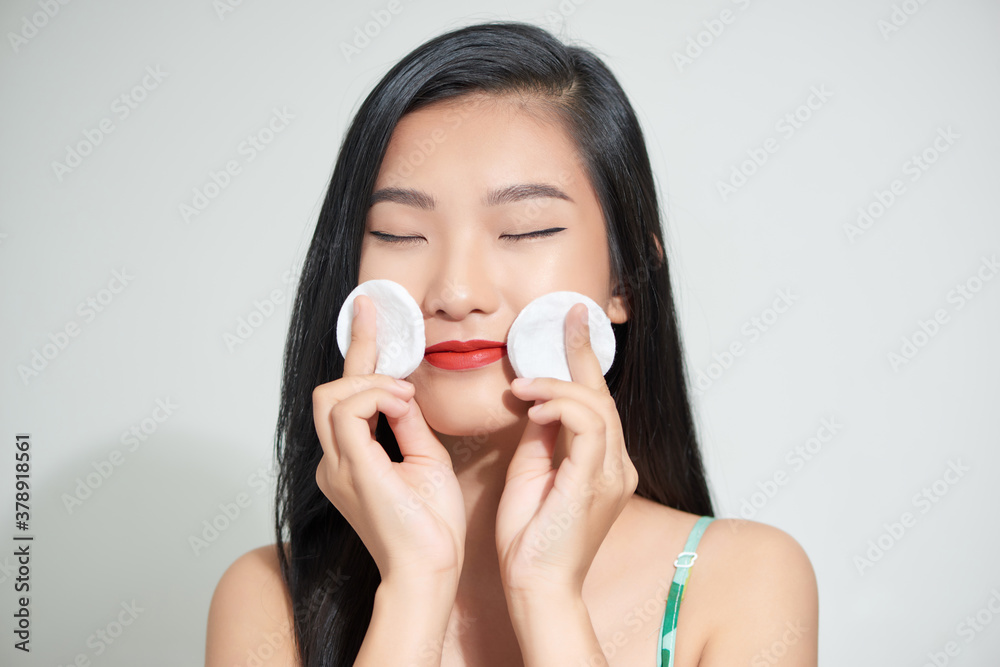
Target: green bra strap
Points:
(665, 656)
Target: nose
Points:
(461, 283)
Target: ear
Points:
(659, 249)
(617, 308)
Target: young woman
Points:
(462, 518)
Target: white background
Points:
(162, 337)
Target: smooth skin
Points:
(510, 534)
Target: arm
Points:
(251, 614)
(416, 538)
(554, 629)
(408, 625)
(250, 619)
(769, 599)
(578, 495)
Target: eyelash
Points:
(405, 240)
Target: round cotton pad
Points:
(536, 341)
(399, 327)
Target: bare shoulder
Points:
(762, 585)
(250, 617)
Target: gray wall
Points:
(864, 370)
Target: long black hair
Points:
(330, 575)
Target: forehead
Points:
(482, 141)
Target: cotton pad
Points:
(536, 341)
(399, 327)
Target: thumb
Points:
(534, 452)
(522, 495)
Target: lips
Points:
(462, 355)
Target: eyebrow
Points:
(495, 197)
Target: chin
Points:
(471, 411)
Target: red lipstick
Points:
(456, 355)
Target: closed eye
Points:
(406, 240)
(389, 238)
(531, 235)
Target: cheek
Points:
(595, 270)
(378, 264)
(580, 267)
(541, 270)
(364, 264)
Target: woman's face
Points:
(460, 180)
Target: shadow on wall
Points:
(126, 556)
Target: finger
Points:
(544, 389)
(333, 392)
(352, 444)
(325, 478)
(325, 396)
(588, 446)
(584, 367)
(361, 355)
(414, 436)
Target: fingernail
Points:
(355, 307)
(402, 383)
(520, 383)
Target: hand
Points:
(410, 515)
(553, 516)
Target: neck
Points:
(480, 462)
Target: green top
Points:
(685, 559)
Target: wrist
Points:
(554, 628)
(421, 587)
(536, 590)
(543, 599)
(409, 622)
